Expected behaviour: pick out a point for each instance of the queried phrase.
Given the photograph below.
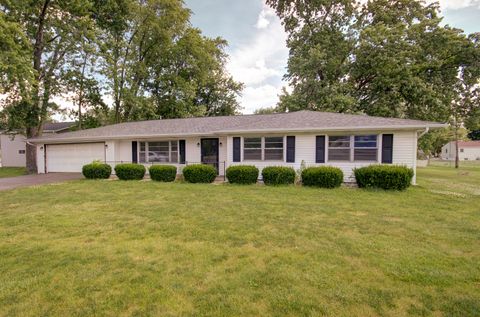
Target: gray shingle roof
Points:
(293, 121)
(57, 126)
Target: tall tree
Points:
(52, 29)
(320, 38)
(383, 57)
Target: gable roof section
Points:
(468, 143)
(268, 123)
(57, 126)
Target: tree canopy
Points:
(143, 55)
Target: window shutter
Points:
(236, 149)
(387, 148)
(134, 152)
(320, 149)
(290, 149)
(181, 146)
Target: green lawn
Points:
(12, 171)
(142, 248)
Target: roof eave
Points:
(227, 132)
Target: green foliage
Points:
(278, 175)
(267, 110)
(388, 177)
(199, 173)
(242, 174)
(431, 143)
(163, 173)
(381, 57)
(322, 176)
(130, 171)
(97, 170)
(474, 135)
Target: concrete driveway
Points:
(36, 179)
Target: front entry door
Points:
(209, 151)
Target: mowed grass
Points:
(12, 171)
(118, 248)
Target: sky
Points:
(258, 54)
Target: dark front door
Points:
(210, 152)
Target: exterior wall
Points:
(470, 153)
(41, 158)
(404, 152)
(10, 146)
(123, 151)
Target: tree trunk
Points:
(31, 152)
(457, 159)
(32, 131)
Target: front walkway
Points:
(36, 179)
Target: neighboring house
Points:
(12, 145)
(467, 150)
(288, 139)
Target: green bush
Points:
(130, 171)
(384, 176)
(199, 173)
(96, 170)
(242, 174)
(322, 176)
(278, 175)
(163, 173)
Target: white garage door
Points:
(71, 157)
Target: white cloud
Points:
(264, 17)
(458, 4)
(260, 63)
(259, 97)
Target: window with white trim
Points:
(339, 148)
(263, 148)
(158, 152)
(356, 148)
(365, 148)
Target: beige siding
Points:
(10, 147)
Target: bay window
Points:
(158, 152)
(263, 148)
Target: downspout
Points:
(424, 132)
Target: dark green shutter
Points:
(387, 148)
(290, 149)
(134, 152)
(320, 149)
(236, 149)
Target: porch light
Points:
(198, 144)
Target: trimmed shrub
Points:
(322, 176)
(199, 173)
(130, 171)
(97, 170)
(163, 173)
(384, 176)
(242, 174)
(278, 175)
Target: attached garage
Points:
(71, 157)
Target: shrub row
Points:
(97, 170)
(384, 176)
(389, 177)
(199, 173)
